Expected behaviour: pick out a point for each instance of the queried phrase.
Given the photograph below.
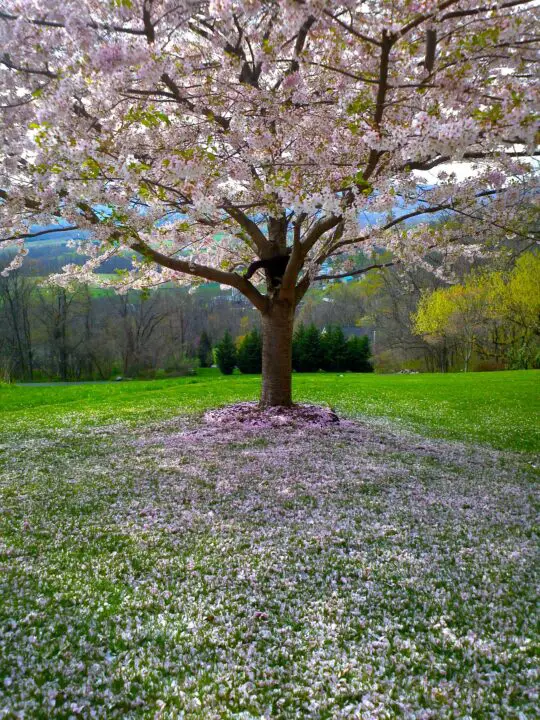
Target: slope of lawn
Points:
(501, 409)
(174, 569)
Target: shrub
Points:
(522, 357)
(180, 366)
(249, 356)
(144, 373)
(489, 366)
(225, 354)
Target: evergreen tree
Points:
(297, 343)
(358, 354)
(250, 353)
(225, 354)
(204, 351)
(307, 349)
(312, 357)
(334, 346)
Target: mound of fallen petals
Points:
(251, 415)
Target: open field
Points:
(501, 409)
(153, 565)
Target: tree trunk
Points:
(468, 353)
(277, 331)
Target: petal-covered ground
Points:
(226, 569)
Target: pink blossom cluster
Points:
(209, 121)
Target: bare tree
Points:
(16, 349)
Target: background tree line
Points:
(493, 315)
(410, 318)
(53, 333)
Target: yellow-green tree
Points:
(451, 317)
(519, 306)
(521, 302)
(496, 312)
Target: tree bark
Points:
(277, 332)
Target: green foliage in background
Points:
(329, 350)
(204, 351)
(358, 354)
(496, 313)
(335, 354)
(307, 349)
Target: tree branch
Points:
(429, 164)
(481, 9)
(426, 16)
(288, 290)
(175, 90)
(28, 202)
(318, 230)
(352, 30)
(403, 218)
(24, 236)
(5, 60)
(251, 227)
(53, 24)
(212, 274)
(301, 289)
(361, 271)
(386, 47)
(147, 21)
(208, 273)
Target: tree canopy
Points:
(203, 134)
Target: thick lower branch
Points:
(203, 271)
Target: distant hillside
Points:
(51, 233)
(47, 252)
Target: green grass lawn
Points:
(501, 409)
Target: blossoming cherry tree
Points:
(203, 136)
